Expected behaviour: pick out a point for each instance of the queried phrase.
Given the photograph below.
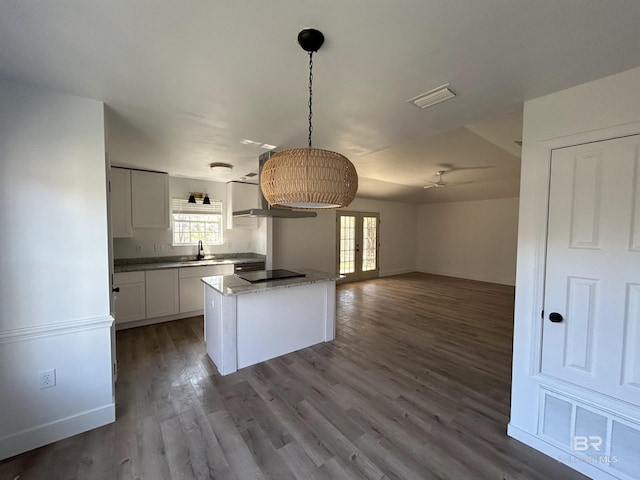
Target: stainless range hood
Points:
(266, 210)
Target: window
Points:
(194, 222)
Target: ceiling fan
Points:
(441, 183)
(445, 168)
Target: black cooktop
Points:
(266, 275)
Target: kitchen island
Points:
(246, 323)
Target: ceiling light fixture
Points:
(432, 97)
(309, 178)
(220, 167)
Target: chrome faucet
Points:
(200, 251)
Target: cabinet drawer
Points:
(122, 278)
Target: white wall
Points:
(54, 267)
(602, 108)
(235, 240)
(475, 240)
(311, 242)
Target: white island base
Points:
(249, 323)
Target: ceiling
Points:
(187, 83)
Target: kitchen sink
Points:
(196, 262)
(210, 261)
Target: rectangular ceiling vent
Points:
(432, 97)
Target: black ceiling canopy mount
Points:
(310, 39)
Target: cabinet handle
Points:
(116, 289)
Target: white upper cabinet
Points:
(149, 199)
(242, 196)
(121, 203)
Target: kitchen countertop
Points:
(156, 263)
(229, 285)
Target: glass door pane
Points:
(347, 250)
(369, 243)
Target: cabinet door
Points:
(241, 196)
(162, 292)
(149, 199)
(191, 294)
(120, 203)
(130, 302)
(191, 288)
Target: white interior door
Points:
(591, 330)
(358, 245)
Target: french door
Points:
(358, 245)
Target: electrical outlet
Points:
(138, 248)
(47, 378)
(158, 247)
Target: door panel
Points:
(593, 268)
(346, 244)
(586, 206)
(581, 301)
(358, 245)
(631, 365)
(369, 243)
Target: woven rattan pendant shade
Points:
(309, 178)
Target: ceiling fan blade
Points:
(429, 186)
(457, 184)
(451, 168)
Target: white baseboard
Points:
(52, 432)
(151, 321)
(561, 456)
(467, 276)
(399, 271)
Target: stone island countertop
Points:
(229, 285)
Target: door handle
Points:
(116, 289)
(555, 317)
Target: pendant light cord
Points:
(310, 95)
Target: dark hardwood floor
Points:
(415, 386)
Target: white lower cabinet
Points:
(162, 292)
(192, 289)
(130, 301)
